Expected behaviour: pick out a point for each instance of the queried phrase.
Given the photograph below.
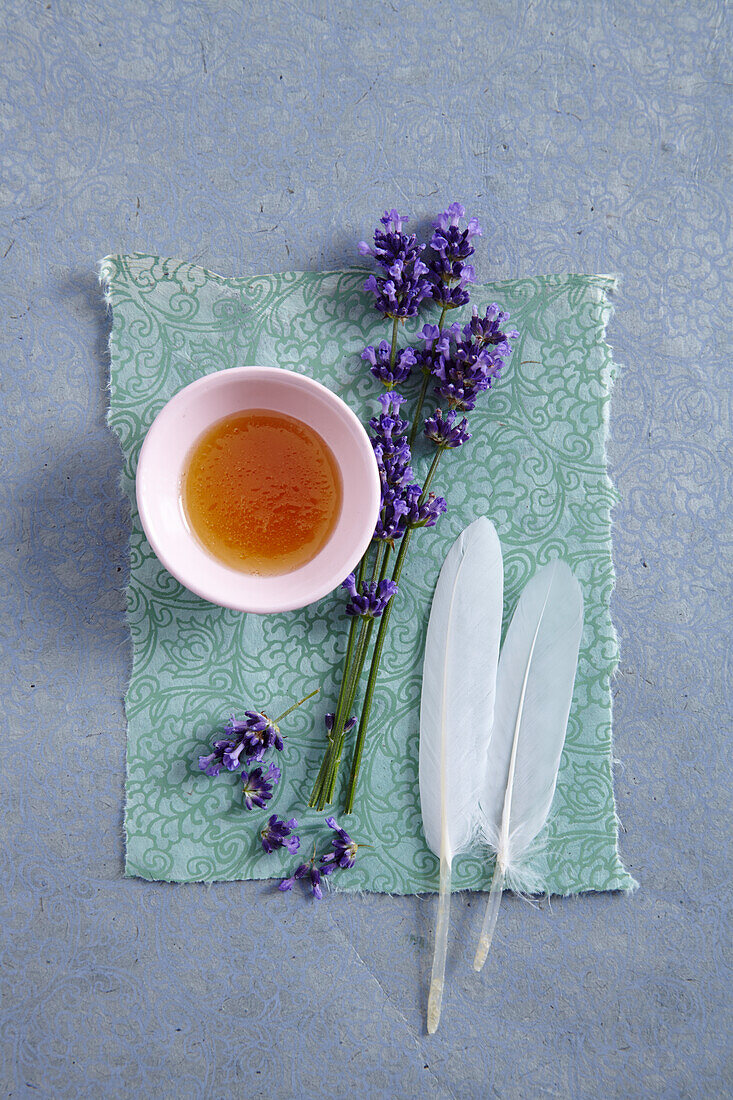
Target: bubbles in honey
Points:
(262, 492)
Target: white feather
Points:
(534, 690)
(457, 710)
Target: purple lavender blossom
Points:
(487, 330)
(407, 284)
(277, 834)
(214, 762)
(389, 423)
(473, 359)
(437, 340)
(316, 882)
(257, 788)
(451, 247)
(464, 372)
(444, 432)
(393, 456)
(379, 358)
(299, 872)
(306, 870)
(344, 849)
(426, 514)
(252, 735)
(371, 601)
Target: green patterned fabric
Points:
(535, 466)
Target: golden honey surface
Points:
(262, 491)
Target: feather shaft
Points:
(437, 976)
(492, 912)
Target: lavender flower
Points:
(464, 372)
(257, 788)
(305, 870)
(427, 513)
(389, 424)
(444, 432)
(316, 882)
(393, 456)
(437, 340)
(276, 834)
(214, 762)
(299, 872)
(371, 601)
(252, 735)
(406, 283)
(379, 358)
(344, 849)
(488, 329)
(451, 246)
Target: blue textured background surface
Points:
(585, 137)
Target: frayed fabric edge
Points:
(105, 273)
(607, 294)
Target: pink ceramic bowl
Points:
(162, 462)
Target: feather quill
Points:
(456, 710)
(534, 690)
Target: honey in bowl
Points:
(262, 491)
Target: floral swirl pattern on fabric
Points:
(535, 465)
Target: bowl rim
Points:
(210, 590)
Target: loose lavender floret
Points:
(277, 834)
(299, 872)
(444, 431)
(316, 882)
(308, 870)
(379, 358)
(214, 762)
(342, 856)
(257, 788)
(344, 849)
(451, 247)
(371, 601)
(406, 283)
(251, 736)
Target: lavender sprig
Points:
(249, 738)
(451, 247)
(462, 363)
(406, 282)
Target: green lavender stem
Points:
(295, 706)
(326, 782)
(340, 714)
(378, 647)
(357, 648)
(393, 349)
(424, 387)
